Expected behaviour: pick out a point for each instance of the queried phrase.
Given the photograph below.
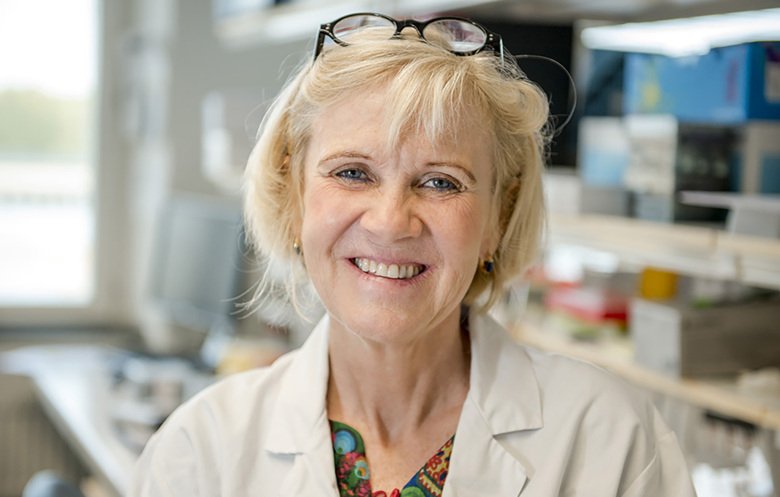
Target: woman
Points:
(400, 173)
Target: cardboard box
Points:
(728, 85)
(684, 341)
(605, 200)
(757, 166)
(604, 153)
(562, 191)
(669, 208)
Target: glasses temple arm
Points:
(572, 85)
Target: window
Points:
(47, 99)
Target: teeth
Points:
(392, 271)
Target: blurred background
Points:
(126, 285)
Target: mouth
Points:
(391, 271)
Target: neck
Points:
(392, 389)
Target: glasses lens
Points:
(362, 23)
(455, 35)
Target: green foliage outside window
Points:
(34, 123)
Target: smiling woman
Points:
(400, 175)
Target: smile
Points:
(392, 271)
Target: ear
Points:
(492, 235)
(294, 198)
(489, 246)
(504, 210)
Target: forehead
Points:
(371, 117)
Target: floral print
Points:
(353, 475)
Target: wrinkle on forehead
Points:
(442, 123)
(443, 116)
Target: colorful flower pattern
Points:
(353, 476)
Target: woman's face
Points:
(392, 237)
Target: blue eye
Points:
(441, 184)
(352, 174)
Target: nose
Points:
(392, 215)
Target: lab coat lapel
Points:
(312, 471)
(503, 398)
(302, 431)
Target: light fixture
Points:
(689, 36)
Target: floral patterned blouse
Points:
(353, 477)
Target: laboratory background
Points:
(126, 285)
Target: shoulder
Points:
(595, 403)
(236, 399)
(184, 456)
(605, 420)
(210, 418)
(579, 406)
(590, 422)
(579, 383)
(564, 384)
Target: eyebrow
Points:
(344, 154)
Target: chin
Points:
(382, 327)
(388, 325)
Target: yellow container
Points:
(657, 284)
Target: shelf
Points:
(691, 250)
(721, 395)
(298, 20)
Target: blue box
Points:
(728, 85)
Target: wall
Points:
(173, 61)
(200, 64)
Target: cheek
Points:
(326, 215)
(313, 207)
(470, 223)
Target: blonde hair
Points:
(428, 89)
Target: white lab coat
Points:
(533, 425)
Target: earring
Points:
(297, 246)
(487, 265)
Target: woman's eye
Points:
(352, 174)
(442, 184)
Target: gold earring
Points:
(297, 246)
(487, 265)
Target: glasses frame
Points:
(492, 40)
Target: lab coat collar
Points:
(300, 408)
(503, 398)
(300, 421)
(503, 384)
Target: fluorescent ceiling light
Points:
(690, 36)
